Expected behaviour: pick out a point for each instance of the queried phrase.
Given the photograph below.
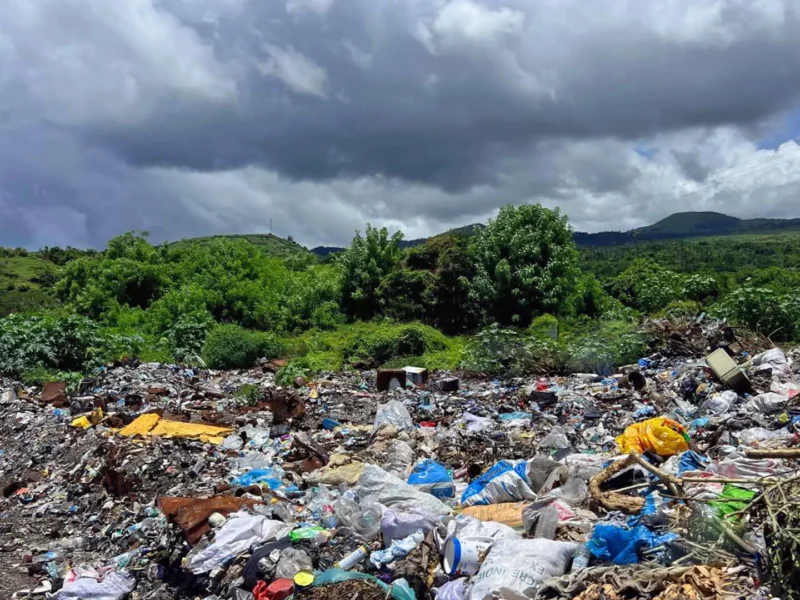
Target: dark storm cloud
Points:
(190, 117)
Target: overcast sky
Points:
(195, 117)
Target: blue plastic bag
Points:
(257, 476)
(620, 546)
(691, 461)
(431, 477)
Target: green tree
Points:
(526, 264)
(364, 264)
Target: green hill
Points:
(272, 244)
(25, 282)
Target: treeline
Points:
(515, 296)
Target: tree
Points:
(526, 264)
(364, 264)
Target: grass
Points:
(21, 279)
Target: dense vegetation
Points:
(516, 296)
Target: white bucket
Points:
(463, 556)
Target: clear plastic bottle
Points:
(580, 558)
(51, 556)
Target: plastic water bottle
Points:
(580, 558)
(547, 523)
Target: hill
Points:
(687, 225)
(272, 244)
(25, 282)
(466, 231)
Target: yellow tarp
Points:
(661, 435)
(150, 425)
(141, 426)
(199, 431)
(86, 421)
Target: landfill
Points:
(668, 479)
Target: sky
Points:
(200, 117)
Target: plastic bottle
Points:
(352, 559)
(580, 558)
(547, 523)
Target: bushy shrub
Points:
(647, 286)
(505, 351)
(762, 310)
(602, 346)
(375, 344)
(233, 347)
(56, 342)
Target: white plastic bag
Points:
(236, 536)
(390, 490)
(114, 586)
(403, 519)
(773, 359)
(516, 568)
(452, 590)
(767, 403)
(584, 466)
(719, 404)
(476, 424)
(394, 413)
(557, 438)
(400, 457)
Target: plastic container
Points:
(463, 556)
(352, 559)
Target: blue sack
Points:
(507, 481)
(431, 477)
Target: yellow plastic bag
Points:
(661, 435)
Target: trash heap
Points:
(675, 478)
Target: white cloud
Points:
(298, 72)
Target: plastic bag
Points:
(773, 359)
(767, 403)
(452, 590)
(584, 466)
(507, 481)
(363, 518)
(400, 456)
(557, 438)
(390, 490)
(237, 535)
(748, 437)
(620, 546)
(256, 436)
(735, 466)
(661, 435)
(719, 404)
(431, 477)
(516, 568)
(394, 413)
(291, 561)
(114, 586)
(272, 477)
(476, 424)
(402, 520)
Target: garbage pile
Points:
(676, 478)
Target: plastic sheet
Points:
(768, 403)
(363, 518)
(292, 560)
(237, 535)
(402, 520)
